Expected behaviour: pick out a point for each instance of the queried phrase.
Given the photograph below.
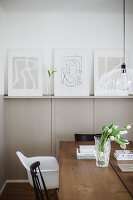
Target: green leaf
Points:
(123, 140)
(112, 125)
(104, 129)
(123, 128)
(122, 145)
(115, 132)
(49, 73)
(53, 72)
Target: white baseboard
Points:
(13, 181)
(3, 187)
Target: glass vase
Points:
(102, 154)
(49, 86)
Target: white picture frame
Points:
(105, 62)
(25, 73)
(72, 72)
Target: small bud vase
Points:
(49, 86)
(102, 153)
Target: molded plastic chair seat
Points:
(38, 181)
(49, 168)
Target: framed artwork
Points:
(25, 73)
(72, 72)
(107, 64)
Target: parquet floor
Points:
(21, 191)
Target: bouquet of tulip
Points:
(114, 134)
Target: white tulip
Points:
(116, 127)
(118, 136)
(127, 142)
(123, 132)
(112, 138)
(128, 126)
(123, 146)
(110, 131)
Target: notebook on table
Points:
(126, 167)
(123, 154)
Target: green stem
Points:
(102, 142)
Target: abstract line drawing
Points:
(26, 61)
(107, 65)
(71, 72)
(25, 75)
(72, 77)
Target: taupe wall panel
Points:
(120, 111)
(35, 126)
(71, 116)
(28, 129)
(2, 143)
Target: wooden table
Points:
(82, 180)
(126, 178)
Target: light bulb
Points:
(124, 83)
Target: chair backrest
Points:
(85, 137)
(24, 160)
(36, 173)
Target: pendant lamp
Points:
(124, 83)
(117, 82)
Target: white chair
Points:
(49, 169)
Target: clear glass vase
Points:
(102, 156)
(49, 86)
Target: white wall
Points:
(2, 130)
(129, 39)
(51, 30)
(2, 49)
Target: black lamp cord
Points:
(123, 66)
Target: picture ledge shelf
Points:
(68, 97)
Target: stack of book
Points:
(86, 152)
(123, 154)
(126, 167)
